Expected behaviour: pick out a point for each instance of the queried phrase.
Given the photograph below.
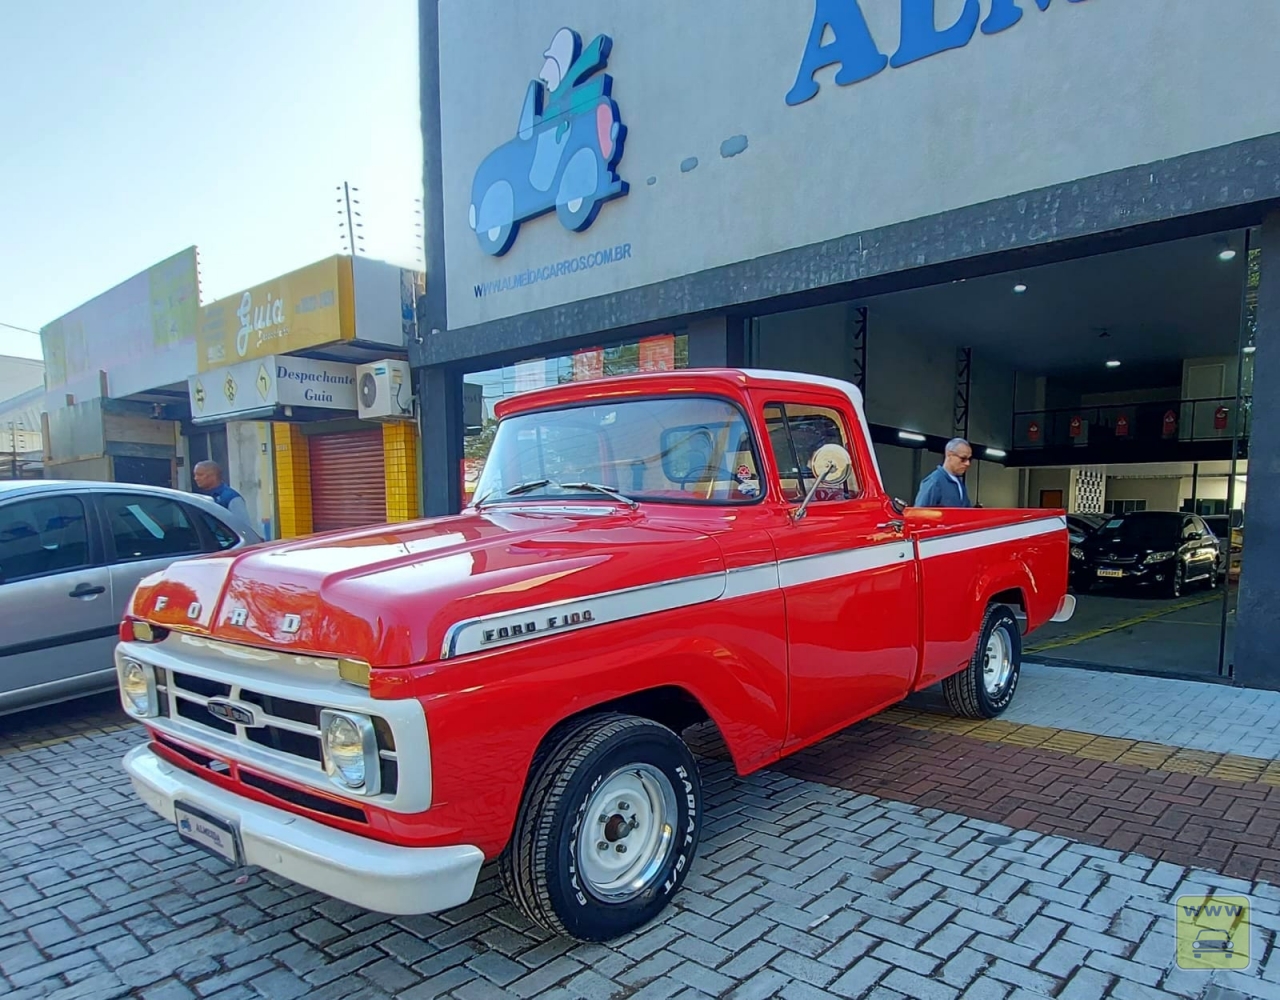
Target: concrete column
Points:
(293, 480)
(717, 342)
(440, 392)
(1257, 655)
(400, 454)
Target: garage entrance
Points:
(1116, 387)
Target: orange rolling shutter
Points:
(348, 480)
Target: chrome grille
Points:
(289, 728)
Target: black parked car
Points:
(1157, 548)
(1081, 527)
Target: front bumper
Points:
(368, 873)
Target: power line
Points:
(20, 329)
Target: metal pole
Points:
(1195, 486)
(1230, 668)
(351, 229)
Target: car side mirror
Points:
(830, 465)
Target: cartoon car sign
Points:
(565, 153)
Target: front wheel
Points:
(1177, 580)
(607, 830)
(984, 688)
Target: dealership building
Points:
(1050, 226)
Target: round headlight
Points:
(1077, 552)
(344, 744)
(136, 686)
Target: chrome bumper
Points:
(367, 873)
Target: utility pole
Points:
(348, 207)
(13, 431)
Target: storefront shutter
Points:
(348, 480)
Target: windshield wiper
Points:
(528, 487)
(597, 488)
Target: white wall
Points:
(1160, 494)
(996, 485)
(18, 376)
(1047, 479)
(250, 472)
(1074, 91)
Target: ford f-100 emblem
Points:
(238, 616)
(230, 711)
(553, 623)
(290, 624)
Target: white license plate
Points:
(210, 832)
(1113, 573)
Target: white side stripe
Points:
(832, 565)
(969, 540)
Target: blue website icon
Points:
(565, 152)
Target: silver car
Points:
(71, 554)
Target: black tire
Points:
(1176, 581)
(541, 868)
(966, 691)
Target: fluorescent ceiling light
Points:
(1113, 363)
(997, 453)
(1019, 288)
(911, 436)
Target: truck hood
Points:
(391, 595)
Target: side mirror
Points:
(830, 465)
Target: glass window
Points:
(686, 450)
(796, 431)
(223, 537)
(42, 536)
(148, 527)
(664, 352)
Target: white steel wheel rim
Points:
(628, 829)
(997, 662)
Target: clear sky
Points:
(130, 130)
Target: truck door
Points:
(848, 577)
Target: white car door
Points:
(57, 622)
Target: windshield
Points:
(1144, 530)
(682, 450)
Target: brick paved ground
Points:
(802, 890)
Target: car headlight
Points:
(351, 751)
(138, 689)
(1157, 557)
(1077, 552)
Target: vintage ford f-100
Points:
(375, 713)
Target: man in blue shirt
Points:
(944, 486)
(208, 477)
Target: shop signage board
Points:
(806, 121)
(142, 333)
(307, 308)
(254, 389)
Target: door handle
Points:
(87, 590)
(897, 526)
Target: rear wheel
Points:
(984, 688)
(607, 830)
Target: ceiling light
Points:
(997, 453)
(1019, 288)
(1113, 363)
(1227, 254)
(1249, 349)
(912, 436)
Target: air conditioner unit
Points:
(385, 390)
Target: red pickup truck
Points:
(376, 713)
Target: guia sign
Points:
(840, 37)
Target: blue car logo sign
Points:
(565, 152)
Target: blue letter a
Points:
(852, 47)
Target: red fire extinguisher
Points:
(1220, 419)
(1077, 425)
(1122, 426)
(1170, 423)
(1033, 431)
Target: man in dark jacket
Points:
(944, 486)
(208, 477)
